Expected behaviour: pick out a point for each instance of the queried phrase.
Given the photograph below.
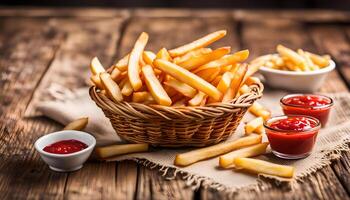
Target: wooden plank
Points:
(28, 46)
(63, 12)
(85, 38)
(173, 32)
(297, 37)
(171, 12)
(315, 16)
(126, 180)
(152, 186)
(333, 41)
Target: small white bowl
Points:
(65, 162)
(309, 81)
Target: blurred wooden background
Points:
(256, 4)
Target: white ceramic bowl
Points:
(296, 81)
(65, 162)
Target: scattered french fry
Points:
(78, 124)
(226, 160)
(194, 156)
(189, 78)
(252, 125)
(264, 167)
(134, 59)
(260, 130)
(119, 149)
(111, 87)
(155, 87)
(202, 42)
(258, 110)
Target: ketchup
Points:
(292, 136)
(65, 147)
(317, 106)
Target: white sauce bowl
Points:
(309, 81)
(65, 162)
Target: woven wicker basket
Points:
(176, 126)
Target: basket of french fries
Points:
(188, 96)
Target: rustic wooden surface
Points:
(39, 47)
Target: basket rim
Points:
(139, 110)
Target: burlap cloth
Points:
(330, 142)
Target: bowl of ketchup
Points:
(314, 105)
(292, 136)
(66, 150)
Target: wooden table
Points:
(39, 47)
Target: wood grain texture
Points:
(36, 51)
(173, 32)
(28, 46)
(84, 39)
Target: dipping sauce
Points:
(317, 106)
(65, 147)
(292, 137)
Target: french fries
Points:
(194, 156)
(225, 82)
(239, 56)
(183, 88)
(148, 57)
(191, 54)
(197, 99)
(119, 149)
(258, 110)
(155, 87)
(134, 59)
(163, 54)
(202, 42)
(78, 124)
(122, 64)
(95, 79)
(96, 66)
(187, 77)
(264, 167)
(290, 60)
(142, 97)
(112, 88)
(235, 83)
(251, 126)
(200, 60)
(226, 161)
(191, 75)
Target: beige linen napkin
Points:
(330, 141)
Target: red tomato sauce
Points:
(292, 135)
(317, 106)
(65, 147)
